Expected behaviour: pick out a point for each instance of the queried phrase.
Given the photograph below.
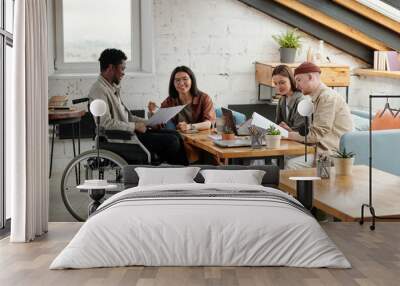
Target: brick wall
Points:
(220, 40)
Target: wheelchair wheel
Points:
(85, 167)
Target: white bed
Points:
(189, 231)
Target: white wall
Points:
(220, 40)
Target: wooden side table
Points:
(331, 74)
(58, 117)
(96, 191)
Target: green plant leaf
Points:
(289, 39)
(272, 131)
(342, 154)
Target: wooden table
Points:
(222, 155)
(332, 75)
(60, 116)
(342, 196)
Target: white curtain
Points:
(27, 123)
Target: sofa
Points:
(385, 144)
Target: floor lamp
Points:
(304, 185)
(96, 188)
(98, 108)
(305, 108)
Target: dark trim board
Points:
(313, 28)
(393, 3)
(354, 20)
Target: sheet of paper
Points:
(264, 123)
(163, 115)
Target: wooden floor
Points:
(375, 257)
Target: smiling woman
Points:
(199, 113)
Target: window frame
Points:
(142, 58)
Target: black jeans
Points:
(166, 143)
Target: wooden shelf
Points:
(331, 74)
(379, 73)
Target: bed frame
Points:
(270, 179)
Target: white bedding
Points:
(200, 231)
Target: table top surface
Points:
(342, 196)
(202, 141)
(59, 114)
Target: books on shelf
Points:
(387, 60)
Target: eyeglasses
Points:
(179, 80)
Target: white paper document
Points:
(264, 123)
(163, 115)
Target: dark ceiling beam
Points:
(313, 28)
(374, 30)
(393, 3)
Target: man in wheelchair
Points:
(165, 144)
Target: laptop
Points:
(242, 130)
(233, 143)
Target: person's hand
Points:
(182, 126)
(152, 106)
(285, 126)
(140, 127)
(158, 126)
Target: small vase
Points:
(228, 136)
(273, 141)
(343, 166)
(288, 55)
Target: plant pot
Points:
(288, 55)
(228, 136)
(273, 141)
(343, 166)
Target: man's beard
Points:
(116, 81)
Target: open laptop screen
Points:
(229, 120)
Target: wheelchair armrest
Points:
(118, 134)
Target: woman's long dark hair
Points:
(194, 91)
(285, 71)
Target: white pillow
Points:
(166, 176)
(248, 177)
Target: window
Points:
(85, 28)
(6, 43)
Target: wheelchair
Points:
(116, 150)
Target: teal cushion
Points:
(360, 123)
(239, 118)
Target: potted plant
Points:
(227, 133)
(272, 137)
(289, 42)
(343, 162)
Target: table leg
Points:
(281, 162)
(79, 151)
(96, 196)
(305, 195)
(52, 148)
(347, 94)
(73, 147)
